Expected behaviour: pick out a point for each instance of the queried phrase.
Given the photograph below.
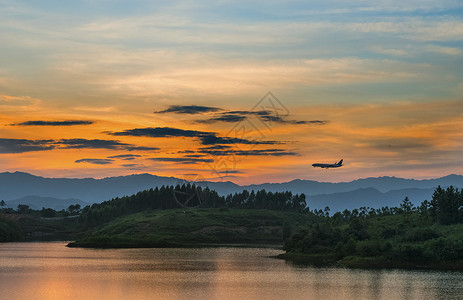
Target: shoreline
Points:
(89, 245)
(374, 263)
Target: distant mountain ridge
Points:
(368, 197)
(382, 184)
(18, 184)
(373, 192)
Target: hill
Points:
(194, 227)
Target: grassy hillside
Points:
(178, 227)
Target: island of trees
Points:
(425, 236)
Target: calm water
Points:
(52, 271)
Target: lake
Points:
(53, 271)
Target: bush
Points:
(445, 249)
(413, 253)
(9, 232)
(421, 234)
(370, 248)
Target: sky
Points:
(242, 91)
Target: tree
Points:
(24, 209)
(446, 203)
(47, 212)
(2, 203)
(407, 206)
(74, 209)
(327, 211)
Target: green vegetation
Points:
(428, 236)
(159, 218)
(26, 224)
(195, 227)
(9, 231)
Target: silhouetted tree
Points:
(74, 209)
(446, 205)
(407, 206)
(47, 212)
(24, 209)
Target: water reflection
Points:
(52, 271)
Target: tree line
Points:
(24, 209)
(186, 196)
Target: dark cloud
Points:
(224, 118)
(24, 145)
(183, 160)
(278, 119)
(237, 116)
(54, 123)
(186, 151)
(206, 138)
(191, 174)
(141, 148)
(263, 152)
(161, 132)
(194, 155)
(101, 144)
(212, 139)
(94, 144)
(229, 172)
(188, 109)
(250, 113)
(125, 156)
(317, 122)
(95, 161)
(216, 147)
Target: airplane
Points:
(326, 166)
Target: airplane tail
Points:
(340, 162)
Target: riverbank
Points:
(357, 262)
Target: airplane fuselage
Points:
(327, 166)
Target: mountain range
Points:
(38, 192)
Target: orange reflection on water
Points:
(52, 271)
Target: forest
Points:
(430, 235)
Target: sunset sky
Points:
(246, 91)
